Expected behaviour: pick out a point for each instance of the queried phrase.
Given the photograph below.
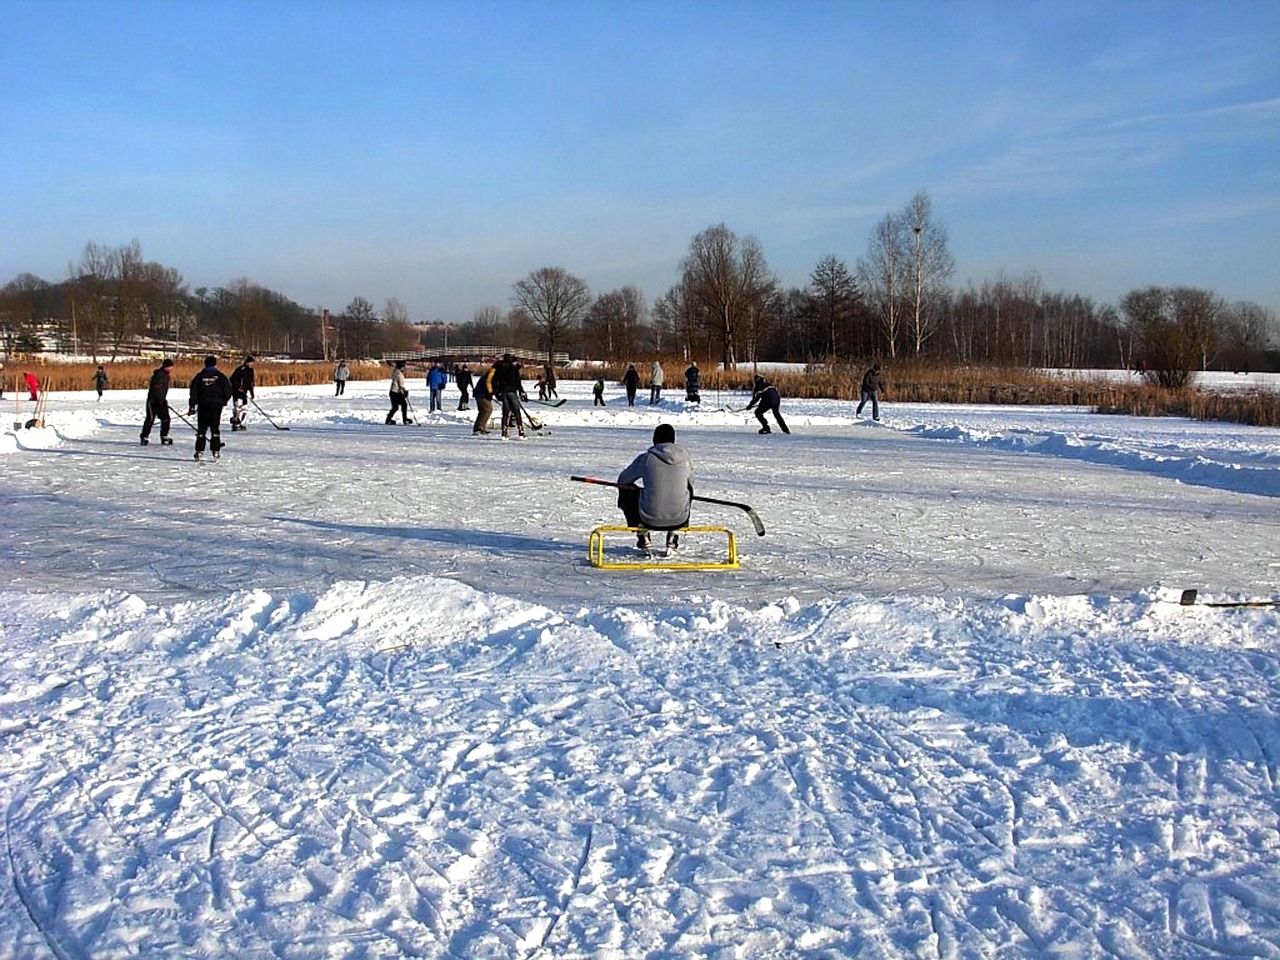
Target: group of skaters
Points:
(210, 392)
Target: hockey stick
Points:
(755, 517)
(265, 414)
(1188, 599)
(182, 418)
(534, 422)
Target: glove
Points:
(191, 412)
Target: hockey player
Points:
(210, 392)
(665, 471)
(158, 404)
(766, 395)
(241, 393)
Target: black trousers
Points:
(629, 503)
(156, 410)
(209, 420)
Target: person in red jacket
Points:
(33, 385)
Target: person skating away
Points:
(871, 387)
(100, 381)
(549, 375)
(631, 380)
(597, 393)
(656, 380)
(210, 392)
(399, 394)
(692, 384)
(509, 391)
(766, 395)
(462, 376)
(241, 393)
(484, 401)
(341, 374)
(33, 385)
(436, 380)
(158, 404)
(665, 472)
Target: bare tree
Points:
(1175, 329)
(928, 268)
(614, 321)
(883, 278)
(730, 280)
(555, 299)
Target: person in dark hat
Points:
(662, 501)
(158, 404)
(399, 394)
(210, 393)
(508, 390)
(241, 392)
(872, 384)
(767, 396)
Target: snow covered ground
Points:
(355, 691)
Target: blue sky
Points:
(439, 152)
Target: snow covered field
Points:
(355, 691)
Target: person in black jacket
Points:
(462, 376)
(210, 392)
(766, 395)
(158, 404)
(241, 392)
(509, 391)
(692, 384)
(871, 387)
(631, 380)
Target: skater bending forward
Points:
(766, 395)
(662, 502)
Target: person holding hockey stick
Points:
(210, 392)
(872, 384)
(766, 395)
(241, 393)
(399, 395)
(662, 502)
(509, 391)
(158, 404)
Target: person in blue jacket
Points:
(437, 377)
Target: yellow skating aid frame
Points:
(658, 561)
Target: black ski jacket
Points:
(158, 388)
(242, 381)
(210, 388)
(506, 378)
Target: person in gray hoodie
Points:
(662, 502)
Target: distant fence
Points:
(480, 353)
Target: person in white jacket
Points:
(662, 502)
(341, 374)
(399, 394)
(656, 379)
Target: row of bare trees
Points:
(728, 305)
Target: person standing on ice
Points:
(597, 392)
(100, 381)
(871, 387)
(509, 391)
(462, 376)
(33, 385)
(692, 383)
(399, 394)
(484, 402)
(766, 395)
(665, 472)
(436, 380)
(241, 392)
(158, 404)
(656, 380)
(210, 392)
(341, 374)
(631, 380)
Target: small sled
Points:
(613, 548)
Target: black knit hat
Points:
(664, 433)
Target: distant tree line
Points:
(727, 305)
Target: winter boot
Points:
(673, 542)
(765, 429)
(166, 441)
(642, 542)
(145, 441)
